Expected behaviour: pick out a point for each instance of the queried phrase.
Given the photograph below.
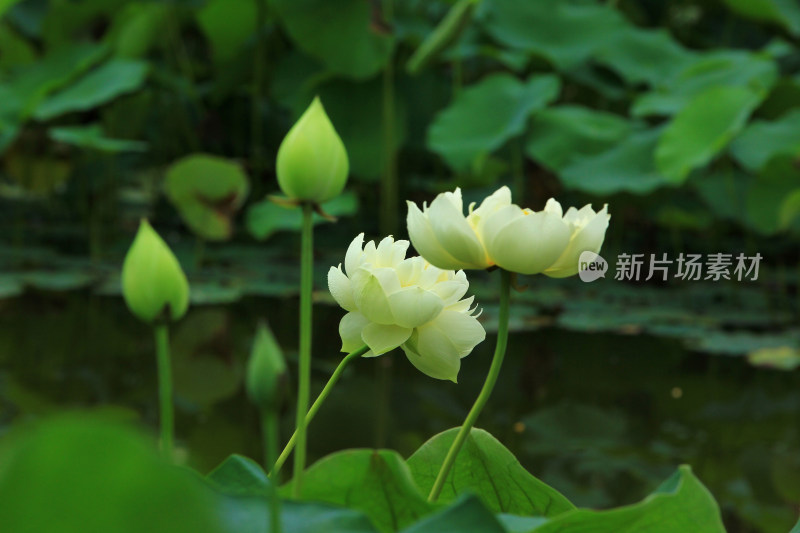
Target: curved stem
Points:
(317, 404)
(166, 416)
(486, 391)
(304, 370)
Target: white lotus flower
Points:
(448, 239)
(504, 234)
(394, 301)
(587, 233)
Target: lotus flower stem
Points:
(486, 391)
(304, 370)
(166, 416)
(314, 408)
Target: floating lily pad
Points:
(781, 357)
(207, 191)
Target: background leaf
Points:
(702, 129)
(100, 86)
(318, 26)
(207, 190)
(486, 115)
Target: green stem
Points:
(165, 389)
(314, 408)
(486, 391)
(304, 371)
(269, 426)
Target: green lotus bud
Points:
(153, 283)
(312, 161)
(266, 371)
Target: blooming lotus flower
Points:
(312, 162)
(504, 234)
(407, 302)
(445, 237)
(587, 233)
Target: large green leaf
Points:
(138, 28)
(566, 32)
(20, 96)
(761, 140)
(785, 13)
(74, 475)
(228, 25)
(98, 87)
(486, 115)
(91, 136)
(375, 482)
(702, 129)
(342, 34)
(466, 515)
(246, 507)
(266, 218)
(240, 475)
(679, 505)
(485, 467)
(643, 56)
(207, 191)
(762, 202)
(6, 4)
(560, 136)
(728, 68)
(17, 51)
(627, 166)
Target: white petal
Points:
(462, 306)
(370, 298)
(425, 242)
(552, 206)
(399, 252)
(499, 199)
(383, 338)
(450, 291)
(414, 306)
(463, 332)
(438, 365)
(352, 259)
(588, 238)
(455, 234)
(530, 244)
(384, 252)
(350, 328)
(497, 221)
(340, 288)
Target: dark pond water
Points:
(603, 417)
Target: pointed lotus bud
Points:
(312, 161)
(266, 371)
(153, 283)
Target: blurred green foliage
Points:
(683, 116)
(610, 102)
